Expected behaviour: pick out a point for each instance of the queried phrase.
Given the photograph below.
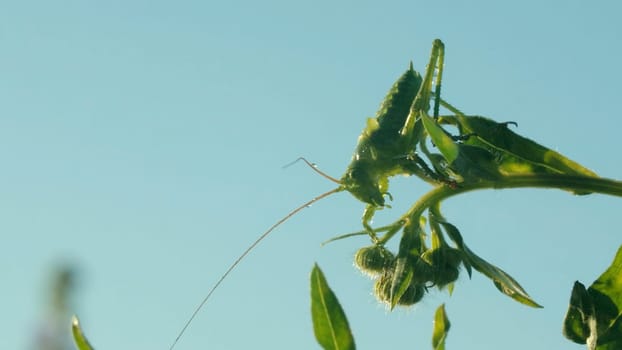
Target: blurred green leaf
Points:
(594, 315)
(329, 321)
(441, 328)
(81, 342)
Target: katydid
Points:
(385, 148)
(387, 145)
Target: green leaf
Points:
(454, 234)
(503, 138)
(472, 163)
(81, 342)
(513, 153)
(440, 138)
(504, 282)
(580, 314)
(402, 276)
(441, 328)
(329, 321)
(595, 315)
(606, 294)
(475, 164)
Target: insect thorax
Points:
(382, 143)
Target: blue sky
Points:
(143, 142)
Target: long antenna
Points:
(248, 250)
(314, 167)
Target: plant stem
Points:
(558, 181)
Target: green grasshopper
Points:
(484, 152)
(386, 147)
(388, 143)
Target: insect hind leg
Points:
(422, 100)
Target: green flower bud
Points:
(423, 272)
(412, 295)
(445, 263)
(445, 276)
(382, 289)
(443, 257)
(373, 260)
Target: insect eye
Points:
(362, 182)
(354, 172)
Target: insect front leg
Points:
(368, 215)
(413, 164)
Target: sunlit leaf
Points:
(504, 282)
(441, 328)
(513, 153)
(450, 288)
(440, 138)
(512, 292)
(500, 137)
(329, 321)
(81, 342)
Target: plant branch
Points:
(557, 181)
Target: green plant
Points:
(483, 154)
(455, 154)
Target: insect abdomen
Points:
(395, 108)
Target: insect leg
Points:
(413, 164)
(368, 214)
(422, 99)
(439, 77)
